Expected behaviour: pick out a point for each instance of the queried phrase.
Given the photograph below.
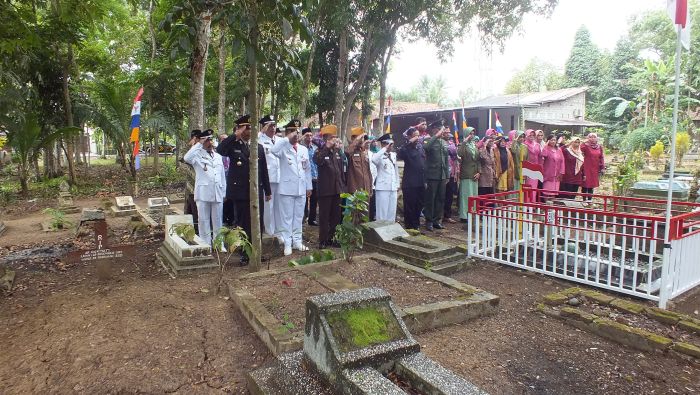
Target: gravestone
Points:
(356, 343)
(659, 190)
(158, 208)
(124, 206)
(177, 255)
(102, 254)
(65, 199)
(391, 239)
(158, 203)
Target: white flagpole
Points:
(666, 272)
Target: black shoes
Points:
(244, 260)
(313, 223)
(429, 227)
(438, 226)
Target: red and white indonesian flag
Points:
(532, 170)
(679, 12)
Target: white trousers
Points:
(291, 209)
(208, 214)
(386, 205)
(271, 218)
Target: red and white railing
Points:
(610, 242)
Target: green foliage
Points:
(583, 68)
(185, 232)
(349, 232)
(628, 173)
(58, 219)
(535, 77)
(315, 257)
(231, 240)
(656, 151)
(643, 138)
(682, 145)
(287, 324)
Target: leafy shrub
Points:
(314, 257)
(642, 139)
(349, 232)
(627, 173)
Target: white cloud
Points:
(549, 39)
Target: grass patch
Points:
(362, 327)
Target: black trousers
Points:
(191, 208)
(412, 206)
(242, 208)
(587, 190)
(229, 215)
(373, 207)
(485, 190)
(564, 187)
(328, 218)
(451, 189)
(311, 203)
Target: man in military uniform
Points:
(437, 172)
(267, 139)
(237, 148)
(359, 175)
(413, 182)
(190, 204)
(330, 184)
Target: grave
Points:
(65, 199)
(427, 300)
(125, 206)
(355, 342)
(391, 239)
(177, 255)
(659, 190)
(103, 254)
(158, 209)
(178, 197)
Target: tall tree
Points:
(535, 77)
(583, 68)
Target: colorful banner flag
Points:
(454, 125)
(387, 121)
(136, 127)
(679, 13)
(532, 170)
(464, 120)
(499, 127)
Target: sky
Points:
(547, 38)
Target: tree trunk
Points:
(68, 108)
(199, 65)
(221, 114)
(155, 146)
(382, 87)
(307, 74)
(151, 31)
(255, 237)
(23, 178)
(35, 164)
(340, 82)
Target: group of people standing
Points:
(297, 175)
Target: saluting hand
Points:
(268, 198)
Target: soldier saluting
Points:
(237, 148)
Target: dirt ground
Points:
(63, 330)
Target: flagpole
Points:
(664, 291)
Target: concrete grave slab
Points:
(354, 343)
(391, 239)
(124, 206)
(177, 256)
(158, 203)
(471, 302)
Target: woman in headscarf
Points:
(593, 164)
(470, 169)
(487, 177)
(534, 155)
(519, 153)
(504, 167)
(552, 166)
(451, 189)
(573, 169)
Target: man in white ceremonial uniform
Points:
(387, 182)
(294, 186)
(209, 184)
(267, 139)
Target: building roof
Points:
(566, 122)
(527, 99)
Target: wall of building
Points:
(571, 108)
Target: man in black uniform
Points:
(237, 148)
(413, 182)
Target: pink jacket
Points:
(553, 163)
(534, 152)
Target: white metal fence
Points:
(611, 243)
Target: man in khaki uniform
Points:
(359, 175)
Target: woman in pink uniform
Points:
(593, 164)
(552, 167)
(534, 156)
